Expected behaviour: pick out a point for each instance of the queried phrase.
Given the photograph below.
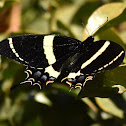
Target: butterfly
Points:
(45, 57)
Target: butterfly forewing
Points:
(38, 51)
(25, 49)
(64, 48)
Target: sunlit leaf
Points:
(108, 106)
(99, 17)
(41, 98)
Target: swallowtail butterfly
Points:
(46, 55)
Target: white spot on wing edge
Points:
(98, 53)
(52, 72)
(48, 48)
(13, 49)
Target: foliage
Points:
(28, 105)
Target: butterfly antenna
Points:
(85, 27)
(99, 27)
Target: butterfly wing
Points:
(38, 51)
(46, 52)
(106, 55)
(26, 49)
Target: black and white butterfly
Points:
(46, 55)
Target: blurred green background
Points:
(103, 101)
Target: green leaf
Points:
(92, 90)
(112, 35)
(106, 83)
(99, 17)
(108, 106)
(116, 76)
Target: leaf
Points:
(116, 76)
(121, 88)
(98, 91)
(108, 106)
(42, 98)
(65, 15)
(112, 35)
(99, 17)
(106, 84)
